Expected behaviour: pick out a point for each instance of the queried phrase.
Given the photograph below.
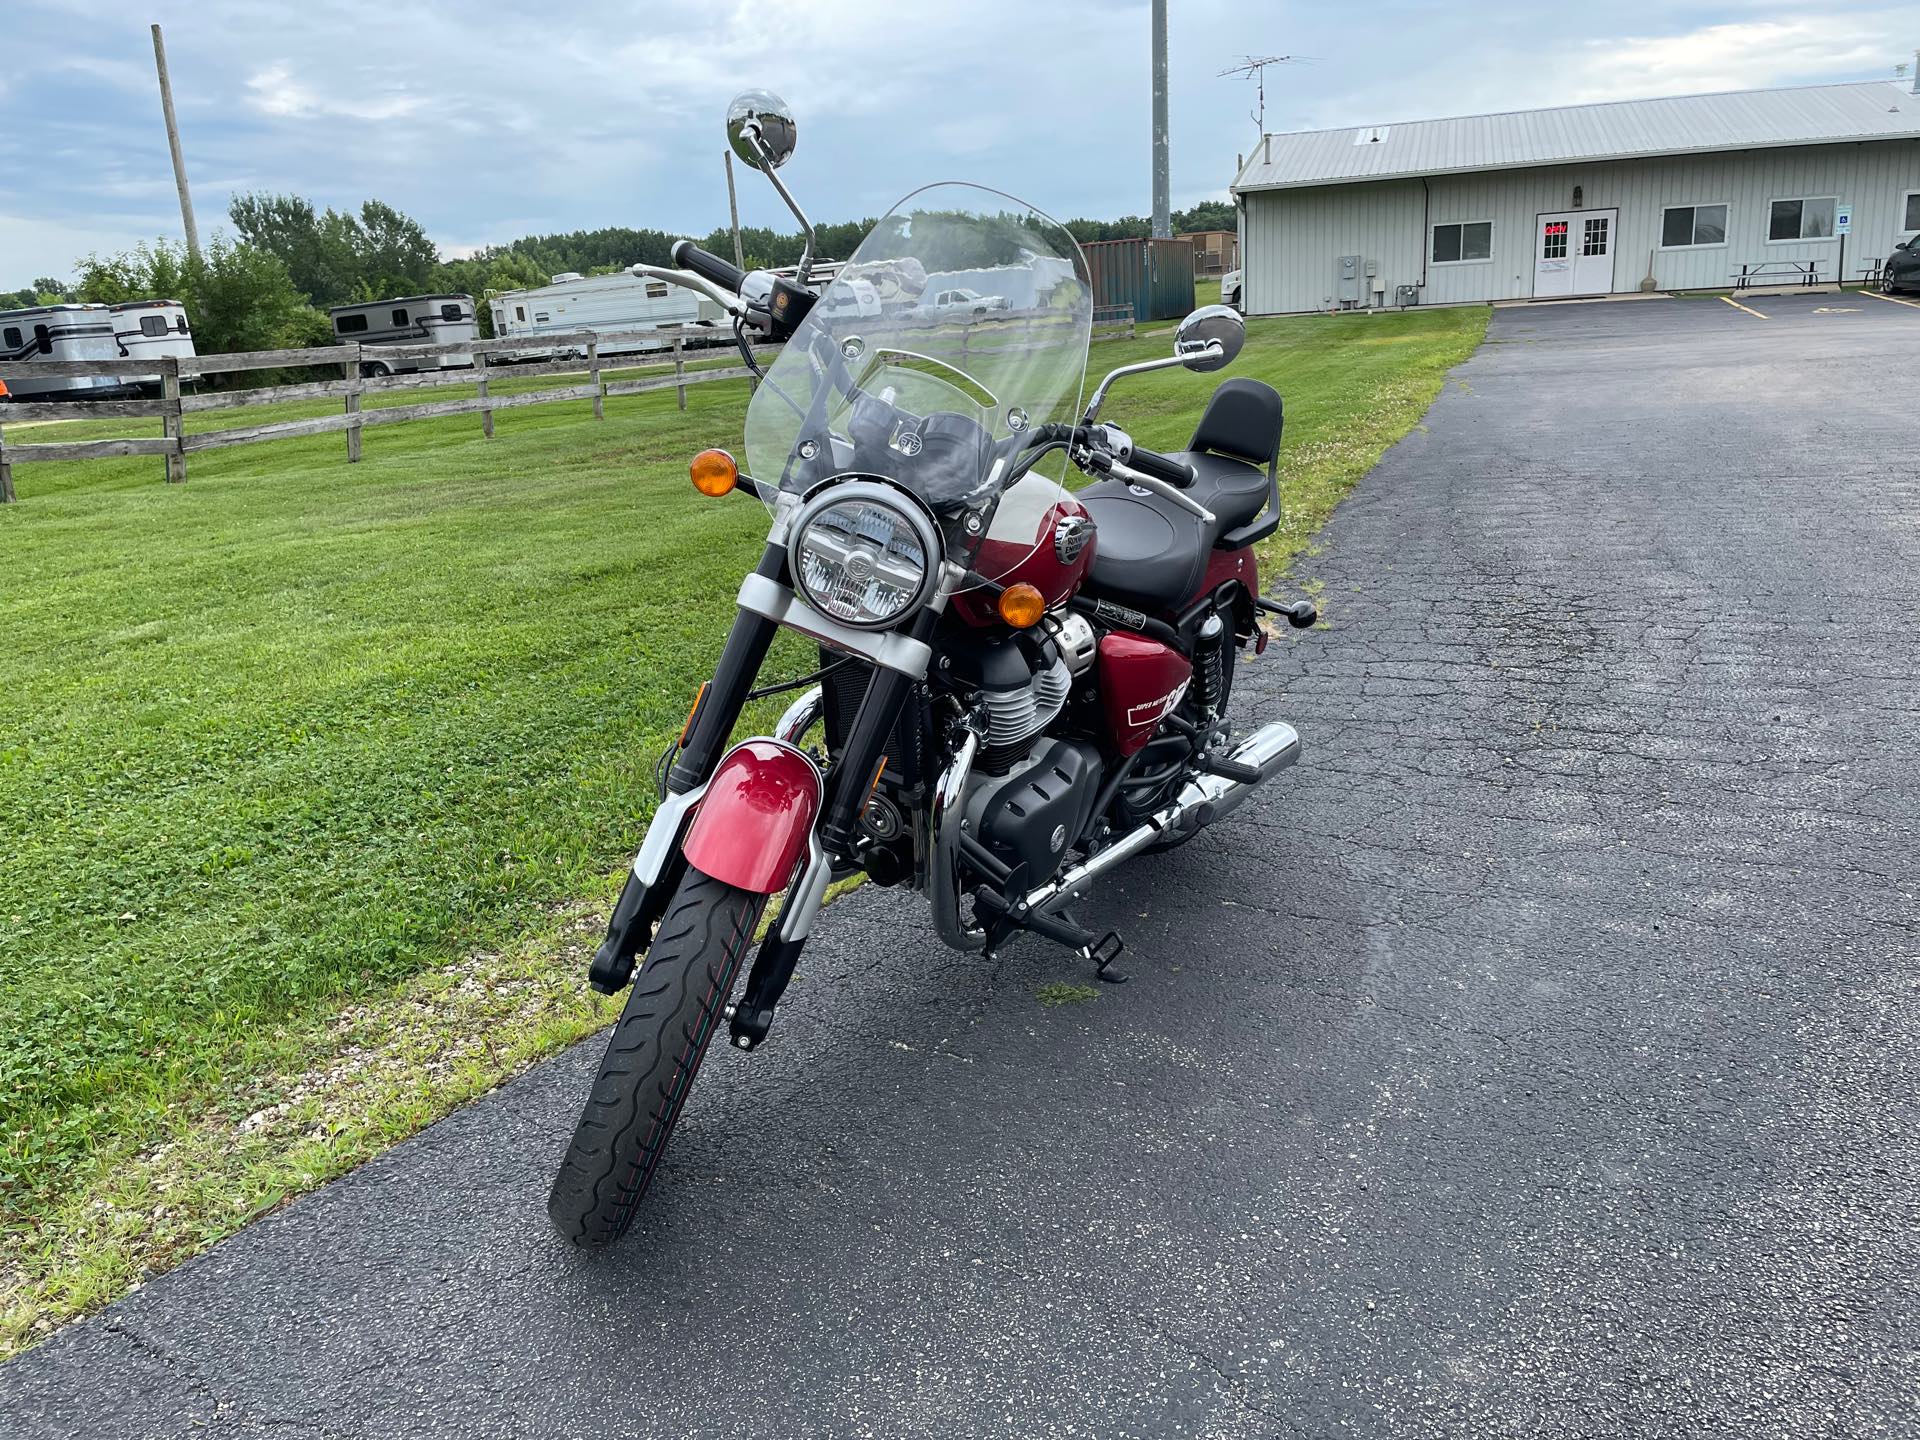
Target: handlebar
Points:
(707, 265)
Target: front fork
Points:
(661, 864)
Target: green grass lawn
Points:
(313, 776)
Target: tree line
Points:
(267, 286)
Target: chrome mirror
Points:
(760, 129)
(1209, 338)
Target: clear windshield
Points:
(955, 331)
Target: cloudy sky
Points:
(488, 123)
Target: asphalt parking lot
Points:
(1537, 1059)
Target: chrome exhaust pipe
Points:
(1269, 750)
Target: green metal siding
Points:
(1155, 277)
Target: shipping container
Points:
(1155, 277)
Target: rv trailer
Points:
(611, 304)
(144, 329)
(409, 320)
(58, 332)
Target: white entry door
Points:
(1573, 253)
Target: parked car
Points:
(1230, 289)
(1902, 270)
(962, 301)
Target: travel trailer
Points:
(143, 328)
(614, 304)
(409, 320)
(58, 332)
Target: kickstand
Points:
(1103, 952)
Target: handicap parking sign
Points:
(1843, 220)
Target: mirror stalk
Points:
(1141, 368)
(751, 130)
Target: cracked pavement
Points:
(1537, 1059)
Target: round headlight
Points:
(864, 555)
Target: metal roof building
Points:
(1689, 192)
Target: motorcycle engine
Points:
(1030, 815)
(1031, 793)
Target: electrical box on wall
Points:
(1346, 273)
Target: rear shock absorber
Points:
(1209, 665)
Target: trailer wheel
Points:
(375, 369)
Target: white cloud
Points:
(275, 91)
(1746, 56)
(36, 245)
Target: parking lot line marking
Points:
(1738, 306)
(1890, 299)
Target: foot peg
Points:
(1300, 614)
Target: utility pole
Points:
(733, 210)
(173, 143)
(1162, 222)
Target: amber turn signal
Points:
(714, 472)
(693, 710)
(1021, 605)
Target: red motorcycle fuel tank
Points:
(1141, 681)
(1039, 534)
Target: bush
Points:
(238, 297)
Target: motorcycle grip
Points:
(1161, 467)
(707, 265)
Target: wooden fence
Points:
(172, 403)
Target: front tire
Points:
(652, 1058)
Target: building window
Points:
(1595, 241)
(1685, 225)
(153, 324)
(1791, 220)
(349, 324)
(1553, 240)
(1912, 216)
(1469, 240)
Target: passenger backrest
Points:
(1244, 419)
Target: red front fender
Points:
(753, 823)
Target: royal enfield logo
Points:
(907, 442)
(858, 565)
(1070, 537)
(1154, 711)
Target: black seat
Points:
(1149, 552)
(1232, 489)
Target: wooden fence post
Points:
(679, 373)
(170, 424)
(486, 411)
(593, 373)
(6, 471)
(352, 367)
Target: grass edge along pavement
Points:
(343, 1076)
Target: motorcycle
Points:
(1020, 686)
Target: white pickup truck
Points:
(961, 301)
